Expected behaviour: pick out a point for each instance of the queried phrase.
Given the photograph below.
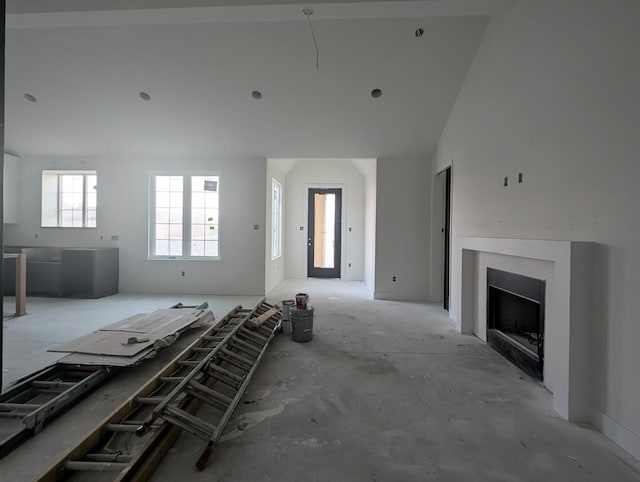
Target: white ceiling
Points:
(200, 66)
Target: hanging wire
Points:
(308, 13)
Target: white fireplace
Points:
(565, 266)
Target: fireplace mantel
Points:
(568, 315)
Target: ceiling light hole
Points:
(256, 94)
(30, 98)
(144, 96)
(375, 93)
(419, 32)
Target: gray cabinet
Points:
(89, 273)
(70, 272)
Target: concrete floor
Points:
(386, 391)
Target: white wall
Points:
(123, 211)
(274, 268)
(402, 229)
(10, 188)
(438, 215)
(553, 93)
(370, 229)
(325, 173)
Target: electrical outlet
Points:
(256, 226)
(301, 228)
(36, 235)
(519, 177)
(114, 237)
(395, 279)
(182, 274)
(349, 265)
(506, 180)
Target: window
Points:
(69, 199)
(276, 219)
(184, 216)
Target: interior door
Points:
(324, 233)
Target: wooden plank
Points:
(21, 281)
(255, 322)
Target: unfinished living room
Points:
(267, 240)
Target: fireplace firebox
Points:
(515, 319)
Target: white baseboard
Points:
(392, 296)
(615, 432)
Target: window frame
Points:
(276, 229)
(55, 178)
(186, 216)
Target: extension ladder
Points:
(214, 371)
(41, 397)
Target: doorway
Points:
(446, 288)
(324, 233)
(441, 238)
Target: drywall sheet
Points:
(154, 330)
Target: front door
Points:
(324, 236)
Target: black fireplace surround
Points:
(515, 319)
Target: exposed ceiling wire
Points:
(308, 12)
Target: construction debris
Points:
(215, 370)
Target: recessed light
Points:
(419, 32)
(144, 96)
(375, 93)
(30, 98)
(256, 94)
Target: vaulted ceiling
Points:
(200, 63)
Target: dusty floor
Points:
(386, 391)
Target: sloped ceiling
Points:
(200, 66)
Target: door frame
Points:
(441, 237)
(446, 288)
(340, 190)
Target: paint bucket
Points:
(301, 301)
(287, 305)
(301, 324)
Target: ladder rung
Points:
(253, 334)
(188, 422)
(235, 362)
(238, 357)
(212, 402)
(189, 362)
(208, 391)
(171, 379)
(121, 427)
(52, 384)
(226, 373)
(21, 407)
(247, 346)
(233, 383)
(149, 400)
(84, 465)
(108, 458)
